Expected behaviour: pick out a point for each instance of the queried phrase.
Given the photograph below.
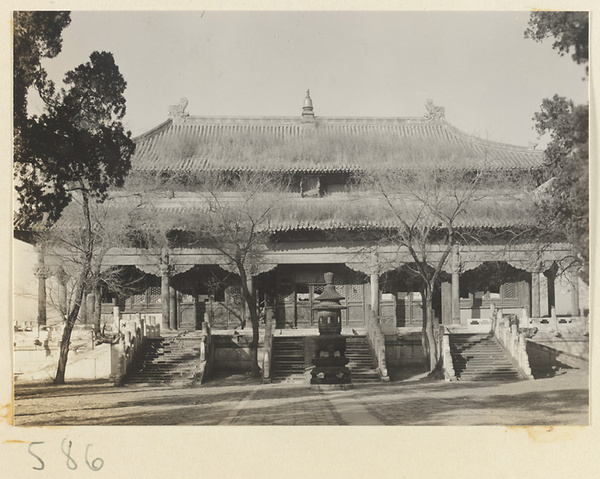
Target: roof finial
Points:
(178, 111)
(307, 109)
(434, 113)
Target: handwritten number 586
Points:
(95, 465)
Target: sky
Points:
(478, 65)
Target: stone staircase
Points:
(362, 365)
(288, 360)
(479, 357)
(172, 359)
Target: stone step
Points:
(166, 360)
(481, 357)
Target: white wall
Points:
(25, 286)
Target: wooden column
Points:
(83, 310)
(455, 286)
(543, 281)
(574, 280)
(197, 319)
(551, 291)
(62, 292)
(375, 293)
(116, 314)
(172, 308)
(446, 303)
(98, 305)
(535, 295)
(41, 274)
(164, 295)
(269, 307)
(524, 286)
(250, 286)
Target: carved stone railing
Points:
(514, 343)
(267, 347)
(206, 354)
(446, 355)
(377, 340)
(128, 347)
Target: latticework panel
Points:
(355, 292)
(138, 299)
(510, 290)
(154, 294)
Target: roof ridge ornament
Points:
(178, 111)
(434, 113)
(307, 110)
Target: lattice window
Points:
(307, 277)
(312, 277)
(285, 297)
(355, 292)
(318, 289)
(154, 294)
(138, 299)
(510, 291)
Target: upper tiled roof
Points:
(326, 144)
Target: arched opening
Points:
(298, 285)
(493, 283)
(401, 296)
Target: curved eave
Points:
(150, 154)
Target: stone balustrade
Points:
(377, 340)
(126, 349)
(206, 354)
(513, 342)
(446, 355)
(267, 347)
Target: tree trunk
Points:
(254, 320)
(429, 341)
(80, 289)
(68, 329)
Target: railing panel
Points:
(377, 340)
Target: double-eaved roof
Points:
(319, 144)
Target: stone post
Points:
(375, 293)
(535, 295)
(554, 319)
(455, 286)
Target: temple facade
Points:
(182, 285)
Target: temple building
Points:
(322, 159)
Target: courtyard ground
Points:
(237, 399)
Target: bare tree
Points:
(429, 208)
(232, 217)
(77, 245)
